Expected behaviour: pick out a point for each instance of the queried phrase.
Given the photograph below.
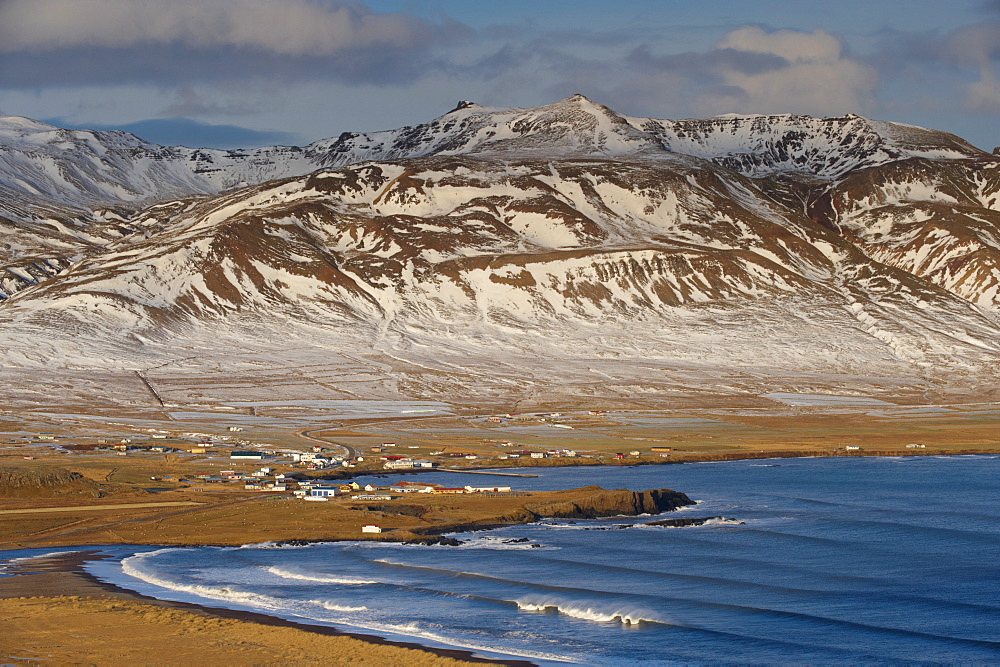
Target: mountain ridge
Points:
(499, 242)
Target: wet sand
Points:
(55, 611)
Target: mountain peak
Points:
(465, 104)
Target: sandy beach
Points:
(56, 612)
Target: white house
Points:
(323, 491)
(246, 456)
(371, 528)
(488, 489)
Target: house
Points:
(539, 455)
(324, 491)
(916, 445)
(495, 420)
(407, 464)
(595, 412)
(371, 528)
(619, 456)
(634, 452)
(852, 447)
(411, 487)
(488, 489)
(452, 490)
(246, 456)
(232, 428)
(373, 496)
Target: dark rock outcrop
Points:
(691, 521)
(48, 483)
(620, 502)
(593, 502)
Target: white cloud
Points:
(977, 46)
(817, 77)
(290, 27)
(793, 46)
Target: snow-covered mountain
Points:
(503, 251)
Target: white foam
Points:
(320, 578)
(337, 607)
(588, 613)
(14, 562)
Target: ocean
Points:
(843, 560)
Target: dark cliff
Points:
(593, 502)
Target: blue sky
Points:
(249, 72)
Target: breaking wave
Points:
(319, 578)
(588, 613)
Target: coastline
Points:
(61, 581)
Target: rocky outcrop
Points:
(593, 502)
(693, 521)
(620, 502)
(49, 483)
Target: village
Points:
(233, 478)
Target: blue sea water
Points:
(846, 560)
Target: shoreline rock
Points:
(599, 503)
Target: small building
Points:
(661, 449)
(371, 528)
(916, 445)
(539, 455)
(495, 420)
(246, 456)
(324, 491)
(488, 489)
(851, 448)
(619, 456)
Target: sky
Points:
(228, 73)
